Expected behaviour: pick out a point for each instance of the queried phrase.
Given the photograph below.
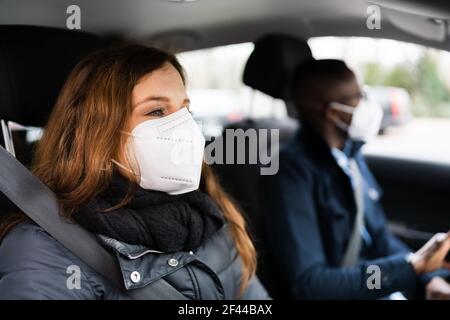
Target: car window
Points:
(218, 95)
(411, 84)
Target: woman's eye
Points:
(156, 113)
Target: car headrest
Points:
(272, 63)
(34, 64)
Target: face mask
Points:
(167, 153)
(366, 119)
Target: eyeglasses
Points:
(348, 99)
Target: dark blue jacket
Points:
(309, 210)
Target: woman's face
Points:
(157, 95)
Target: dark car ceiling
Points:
(208, 23)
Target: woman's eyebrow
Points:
(159, 98)
(153, 98)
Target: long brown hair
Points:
(83, 134)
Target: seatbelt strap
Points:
(39, 203)
(354, 245)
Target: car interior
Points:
(37, 52)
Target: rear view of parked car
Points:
(396, 104)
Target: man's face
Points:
(346, 92)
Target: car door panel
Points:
(416, 196)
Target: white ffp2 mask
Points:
(366, 119)
(167, 153)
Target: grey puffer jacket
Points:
(33, 265)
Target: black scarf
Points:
(163, 222)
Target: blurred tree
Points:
(402, 76)
(430, 83)
(429, 92)
(373, 74)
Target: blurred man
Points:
(324, 222)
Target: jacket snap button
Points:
(173, 262)
(135, 277)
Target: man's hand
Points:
(432, 255)
(437, 289)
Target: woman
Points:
(124, 157)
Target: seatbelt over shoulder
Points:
(355, 241)
(39, 203)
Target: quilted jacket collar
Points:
(141, 266)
